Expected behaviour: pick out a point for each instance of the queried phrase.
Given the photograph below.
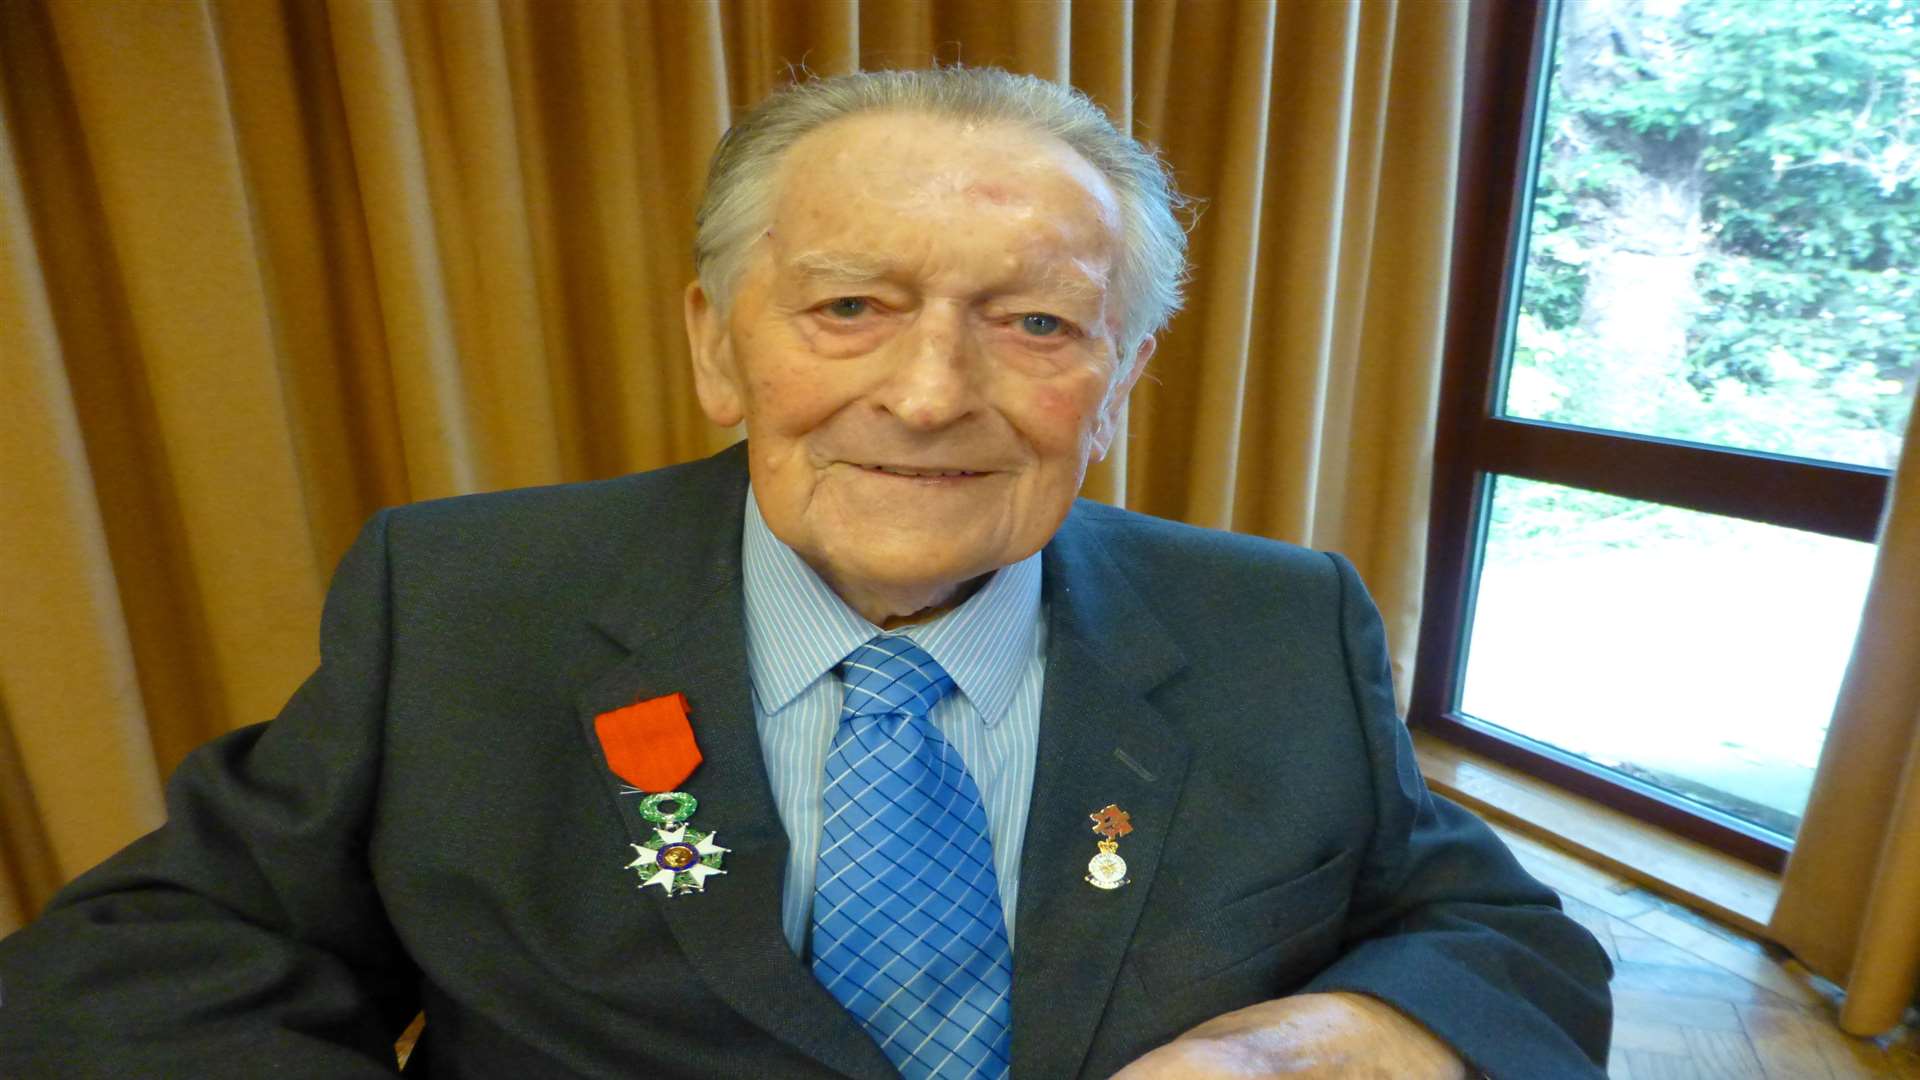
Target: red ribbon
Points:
(649, 744)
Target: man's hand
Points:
(1309, 1035)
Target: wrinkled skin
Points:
(1318, 1036)
(923, 348)
(929, 299)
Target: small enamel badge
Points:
(1108, 870)
(677, 858)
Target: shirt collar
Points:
(799, 629)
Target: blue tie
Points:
(907, 927)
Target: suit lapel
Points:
(1101, 741)
(687, 633)
(682, 628)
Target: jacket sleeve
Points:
(245, 935)
(1446, 926)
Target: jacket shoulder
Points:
(1209, 586)
(637, 498)
(574, 539)
(1142, 543)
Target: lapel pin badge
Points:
(678, 858)
(1107, 870)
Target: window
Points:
(1665, 441)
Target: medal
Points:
(677, 858)
(649, 744)
(1107, 870)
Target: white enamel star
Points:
(649, 857)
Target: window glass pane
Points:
(1697, 653)
(1725, 226)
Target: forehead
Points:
(891, 186)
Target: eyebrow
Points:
(857, 266)
(839, 265)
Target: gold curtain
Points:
(1850, 904)
(268, 265)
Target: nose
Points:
(934, 381)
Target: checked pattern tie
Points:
(907, 928)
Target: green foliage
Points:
(1798, 124)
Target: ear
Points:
(1116, 403)
(715, 379)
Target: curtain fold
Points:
(63, 619)
(1850, 903)
(266, 267)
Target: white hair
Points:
(736, 211)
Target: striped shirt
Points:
(798, 630)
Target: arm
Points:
(1447, 927)
(246, 933)
(1455, 960)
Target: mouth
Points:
(921, 472)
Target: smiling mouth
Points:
(917, 473)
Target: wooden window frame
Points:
(1507, 47)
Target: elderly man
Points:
(859, 748)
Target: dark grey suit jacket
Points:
(429, 824)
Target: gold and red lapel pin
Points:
(1107, 870)
(649, 744)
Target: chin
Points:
(910, 569)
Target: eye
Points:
(1041, 325)
(847, 307)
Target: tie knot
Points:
(891, 674)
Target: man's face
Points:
(923, 350)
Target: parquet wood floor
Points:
(1694, 1000)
